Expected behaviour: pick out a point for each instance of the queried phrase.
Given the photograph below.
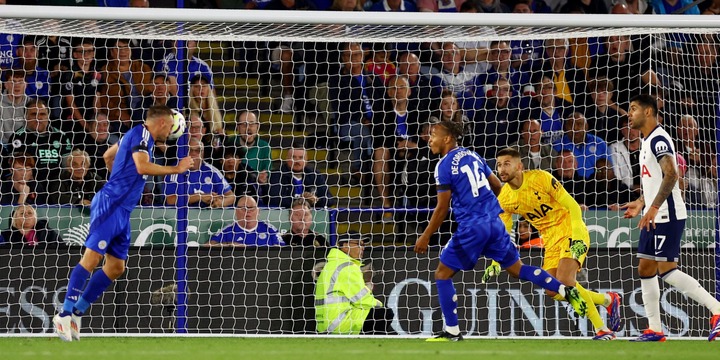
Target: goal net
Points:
(315, 128)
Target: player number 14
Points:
(475, 177)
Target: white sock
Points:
(651, 301)
(607, 300)
(453, 329)
(692, 288)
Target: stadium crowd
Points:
(561, 102)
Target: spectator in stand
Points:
(38, 139)
(585, 7)
(54, 55)
(636, 7)
(439, 5)
(697, 73)
(12, 104)
(96, 140)
(37, 78)
(79, 88)
(496, 125)
(296, 180)
(493, 6)
(352, 104)
(301, 223)
(450, 111)
(527, 236)
(394, 5)
(568, 80)
(587, 148)
(533, 153)
(202, 100)
(392, 137)
(626, 155)
(379, 64)
(25, 229)
(453, 75)
(627, 67)
(565, 172)
(246, 230)
(21, 187)
(609, 192)
(78, 184)
(8, 44)
(258, 157)
(206, 185)
(701, 176)
(346, 5)
(420, 88)
(499, 58)
(195, 67)
(668, 7)
(602, 115)
(242, 179)
(126, 82)
(161, 93)
(547, 108)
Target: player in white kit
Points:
(662, 223)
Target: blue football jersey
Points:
(262, 235)
(465, 173)
(206, 180)
(125, 183)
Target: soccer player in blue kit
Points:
(130, 163)
(465, 178)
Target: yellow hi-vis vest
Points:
(342, 300)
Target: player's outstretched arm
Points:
(146, 167)
(441, 210)
(495, 184)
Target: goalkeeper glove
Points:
(491, 271)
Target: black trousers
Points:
(378, 322)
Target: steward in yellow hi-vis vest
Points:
(344, 304)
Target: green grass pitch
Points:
(351, 348)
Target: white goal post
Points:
(292, 77)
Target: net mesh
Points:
(347, 110)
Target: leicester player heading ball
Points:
(130, 163)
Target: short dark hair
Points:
(455, 129)
(645, 101)
(299, 202)
(14, 73)
(512, 152)
(35, 102)
(158, 110)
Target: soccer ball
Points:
(178, 127)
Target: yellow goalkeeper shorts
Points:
(561, 245)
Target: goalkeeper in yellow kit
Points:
(541, 199)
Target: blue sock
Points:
(540, 278)
(97, 285)
(448, 302)
(76, 284)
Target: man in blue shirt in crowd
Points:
(588, 148)
(206, 186)
(247, 230)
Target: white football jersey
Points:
(654, 147)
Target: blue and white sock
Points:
(542, 279)
(448, 305)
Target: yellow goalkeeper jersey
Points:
(537, 201)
